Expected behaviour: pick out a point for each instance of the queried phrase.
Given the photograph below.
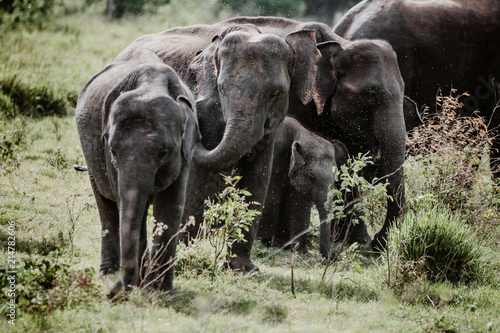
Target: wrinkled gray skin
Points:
(358, 100)
(440, 45)
(243, 79)
(302, 175)
(137, 126)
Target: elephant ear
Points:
(411, 114)
(191, 134)
(130, 82)
(204, 68)
(341, 153)
(326, 79)
(305, 58)
(297, 159)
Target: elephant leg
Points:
(300, 219)
(143, 249)
(282, 231)
(270, 212)
(395, 209)
(256, 174)
(168, 208)
(345, 229)
(110, 237)
(201, 185)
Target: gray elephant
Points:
(439, 45)
(243, 79)
(358, 100)
(302, 175)
(137, 126)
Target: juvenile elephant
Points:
(243, 78)
(137, 126)
(302, 175)
(358, 100)
(439, 45)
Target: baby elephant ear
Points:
(191, 134)
(303, 68)
(296, 160)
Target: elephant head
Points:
(150, 129)
(363, 89)
(248, 75)
(313, 162)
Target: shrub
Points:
(344, 204)
(25, 12)
(435, 244)
(449, 153)
(228, 217)
(44, 284)
(11, 142)
(17, 98)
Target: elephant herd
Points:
(282, 102)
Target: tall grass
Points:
(440, 245)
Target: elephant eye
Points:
(275, 93)
(162, 155)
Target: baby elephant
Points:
(137, 125)
(302, 174)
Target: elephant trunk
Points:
(134, 192)
(239, 138)
(325, 232)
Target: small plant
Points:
(227, 216)
(11, 142)
(58, 160)
(349, 184)
(437, 245)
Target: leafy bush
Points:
(11, 142)
(228, 217)
(25, 12)
(437, 245)
(44, 284)
(194, 259)
(449, 157)
(17, 98)
(343, 202)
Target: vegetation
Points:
(227, 218)
(49, 207)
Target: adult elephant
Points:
(243, 78)
(137, 126)
(358, 100)
(440, 45)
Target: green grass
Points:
(56, 218)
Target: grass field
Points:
(57, 230)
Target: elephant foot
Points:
(379, 242)
(301, 248)
(359, 234)
(105, 270)
(266, 242)
(243, 264)
(117, 292)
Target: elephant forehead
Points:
(259, 44)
